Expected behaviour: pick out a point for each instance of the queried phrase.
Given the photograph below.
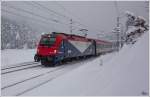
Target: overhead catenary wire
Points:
(70, 13)
(58, 14)
(50, 10)
(31, 13)
(32, 19)
(39, 6)
(40, 16)
(31, 3)
(43, 17)
(37, 15)
(79, 19)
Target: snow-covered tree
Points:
(16, 36)
(135, 26)
(130, 19)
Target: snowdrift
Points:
(122, 73)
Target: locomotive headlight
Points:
(55, 51)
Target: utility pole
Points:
(118, 25)
(118, 32)
(71, 26)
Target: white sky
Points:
(97, 16)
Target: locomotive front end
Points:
(47, 50)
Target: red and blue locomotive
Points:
(57, 47)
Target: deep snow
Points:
(16, 56)
(123, 73)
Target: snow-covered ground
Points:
(16, 56)
(22, 81)
(123, 73)
(118, 73)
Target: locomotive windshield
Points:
(47, 41)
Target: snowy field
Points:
(23, 80)
(16, 56)
(124, 73)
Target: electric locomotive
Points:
(57, 47)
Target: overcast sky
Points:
(96, 16)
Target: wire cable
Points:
(32, 19)
(34, 14)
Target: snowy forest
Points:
(16, 36)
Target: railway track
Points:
(19, 65)
(19, 94)
(11, 69)
(44, 82)
(22, 85)
(13, 84)
(35, 80)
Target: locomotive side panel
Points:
(78, 48)
(70, 50)
(90, 49)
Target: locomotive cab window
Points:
(47, 41)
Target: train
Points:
(57, 47)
